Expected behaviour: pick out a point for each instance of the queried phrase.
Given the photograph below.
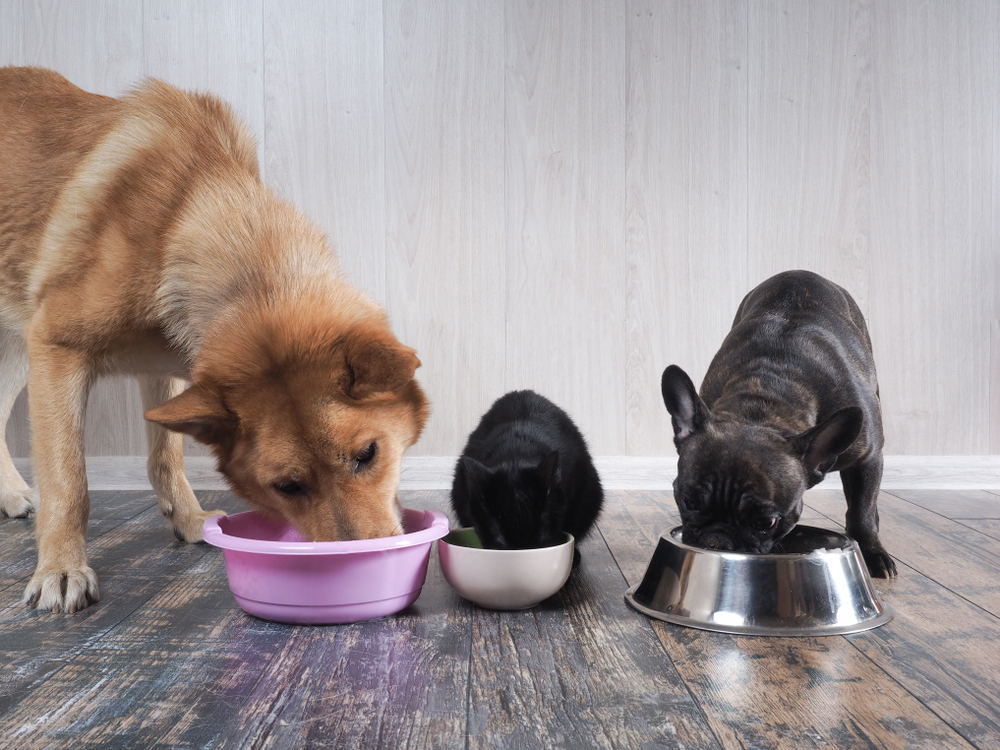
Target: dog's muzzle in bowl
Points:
(814, 582)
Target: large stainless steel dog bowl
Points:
(816, 584)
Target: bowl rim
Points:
(886, 612)
(570, 539)
(437, 526)
(849, 546)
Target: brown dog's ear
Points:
(196, 412)
(374, 365)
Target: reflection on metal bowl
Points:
(815, 584)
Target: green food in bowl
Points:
(502, 578)
(464, 538)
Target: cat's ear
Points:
(550, 470)
(476, 473)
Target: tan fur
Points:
(137, 238)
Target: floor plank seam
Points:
(917, 698)
(935, 687)
(468, 683)
(663, 647)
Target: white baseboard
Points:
(617, 472)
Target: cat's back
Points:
(523, 419)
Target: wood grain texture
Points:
(570, 196)
(578, 671)
(686, 196)
(228, 35)
(325, 125)
(995, 361)
(808, 120)
(167, 659)
(954, 504)
(565, 219)
(98, 46)
(445, 205)
(780, 692)
(939, 615)
(926, 541)
(935, 188)
(12, 33)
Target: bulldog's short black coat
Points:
(790, 396)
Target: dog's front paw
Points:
(190, 527)
(62, 590)
(17, 502)
(880, 564)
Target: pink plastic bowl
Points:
(276, 575)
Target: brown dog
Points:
(137, 238)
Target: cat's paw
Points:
(62, 590)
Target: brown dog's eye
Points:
(764, 523)
(289, 488)
(364, 458)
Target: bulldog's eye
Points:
(289, 488)
(764, 523)
(365, 457)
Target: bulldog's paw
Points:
(190, 527)
(17, 503)
(68, 590)
(880, 564)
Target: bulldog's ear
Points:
(197, 412)
(376, 365)
(688, 413)
(820, 446)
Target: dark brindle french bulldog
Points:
(790, 396)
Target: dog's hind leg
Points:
(15, 495)
(166, 464)
(861, 485)
(58, 383)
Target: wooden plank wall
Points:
(571, 195)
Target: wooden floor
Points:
(167, 659)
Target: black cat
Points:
(526, 476)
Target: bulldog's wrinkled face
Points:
(738, 489)
(740, 482)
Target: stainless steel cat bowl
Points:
(816, 584)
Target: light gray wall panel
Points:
(565, 128)
(11, 32)
(212, 46)
(808, 120)
(686, 197)
(325, 130)
(935, 181)
(97, 45)
(444, 83)
(569, 196)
